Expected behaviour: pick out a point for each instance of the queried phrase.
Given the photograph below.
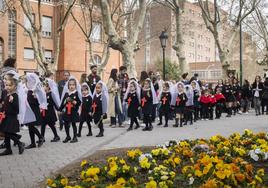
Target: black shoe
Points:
(21, 147)
(191, 123)
(185, 123)
(6, 152)
(151, 128)
(160, 123)
(130, 129)
(30, 146)
(100, 135)
(176, 125)
(67, 139)
(137, 126)
(89, 134)
(166, 125)
(74, 140)
(228, 115)
(41, 142)
(55, 139)
(3, 146)
(79, 135)
(145, 129)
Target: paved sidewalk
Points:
(24, 171)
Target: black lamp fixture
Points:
(163, 40)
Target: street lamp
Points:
(241, 50)
(163, 40)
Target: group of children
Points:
(32, 102)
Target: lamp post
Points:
(163, 40)
(241, 51)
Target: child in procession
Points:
(188, 115)
(132, 98)
(220, 100)
(205, 105)
(165, 100)
(197, 94)
(178, 102)
(70, 103)
(48, 115)
(148, 98)
(85, 115)
(10, 125)
(100, 106)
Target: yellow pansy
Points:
(260, 172)
(151, 184)
(121, 182)
(198, 173)
(144, 163)
(83, 163)
(49, 182)
(64, 181)
(177, 160)
(132, 181)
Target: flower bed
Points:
(237, 161)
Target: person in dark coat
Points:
(257, 92)
(132, 99)
(70, 105)
(237, 95)
(85, 115)
(178, 102)
(264, 102)
(147, 105)
(93, 78)
(100, 106)
(9, 118)
(246, 97)
(48, 115)
(61, 84)
(229, 96)
(165, 102)
(220, 100)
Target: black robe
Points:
(133, 105)
(165, 102)
(34, 104)
(70, 111)
(86, 108)
(181, 100)
(92, 81)
(96, 108)
(10, 123)
(49, 115)
(147, 102)
(228, 93)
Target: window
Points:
(1, 5)
(28, 53)
(96, 32)
(46, 26)
(12, 31)
(47, 1)
(202, 74)
(1, 50)
(27, 23)
(97, 59)
(48, 55)
(215, 74)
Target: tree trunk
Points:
(129, 61)
(179, 43)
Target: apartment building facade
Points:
(74, 53)
(199, 46)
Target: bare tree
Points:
(90, 14)
(34, 30)
(223, 12)
(177, 7)
(131, 15)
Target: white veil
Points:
(86, 85)
(54, 91)
(175, 92)
(190, 95)
(21, 94)
(65, 89)
(138, 89)
(155, 99)
(197, 86)
(105, 96)
(170, 88)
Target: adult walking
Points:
(257, 91)
(114, 107)
(93, 78)
(123, 84)
(265, 96)
(61, 84)
(246, 97)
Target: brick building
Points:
(199, 47)
(14, 42)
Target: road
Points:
(24, 171)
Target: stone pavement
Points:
(24, 171)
